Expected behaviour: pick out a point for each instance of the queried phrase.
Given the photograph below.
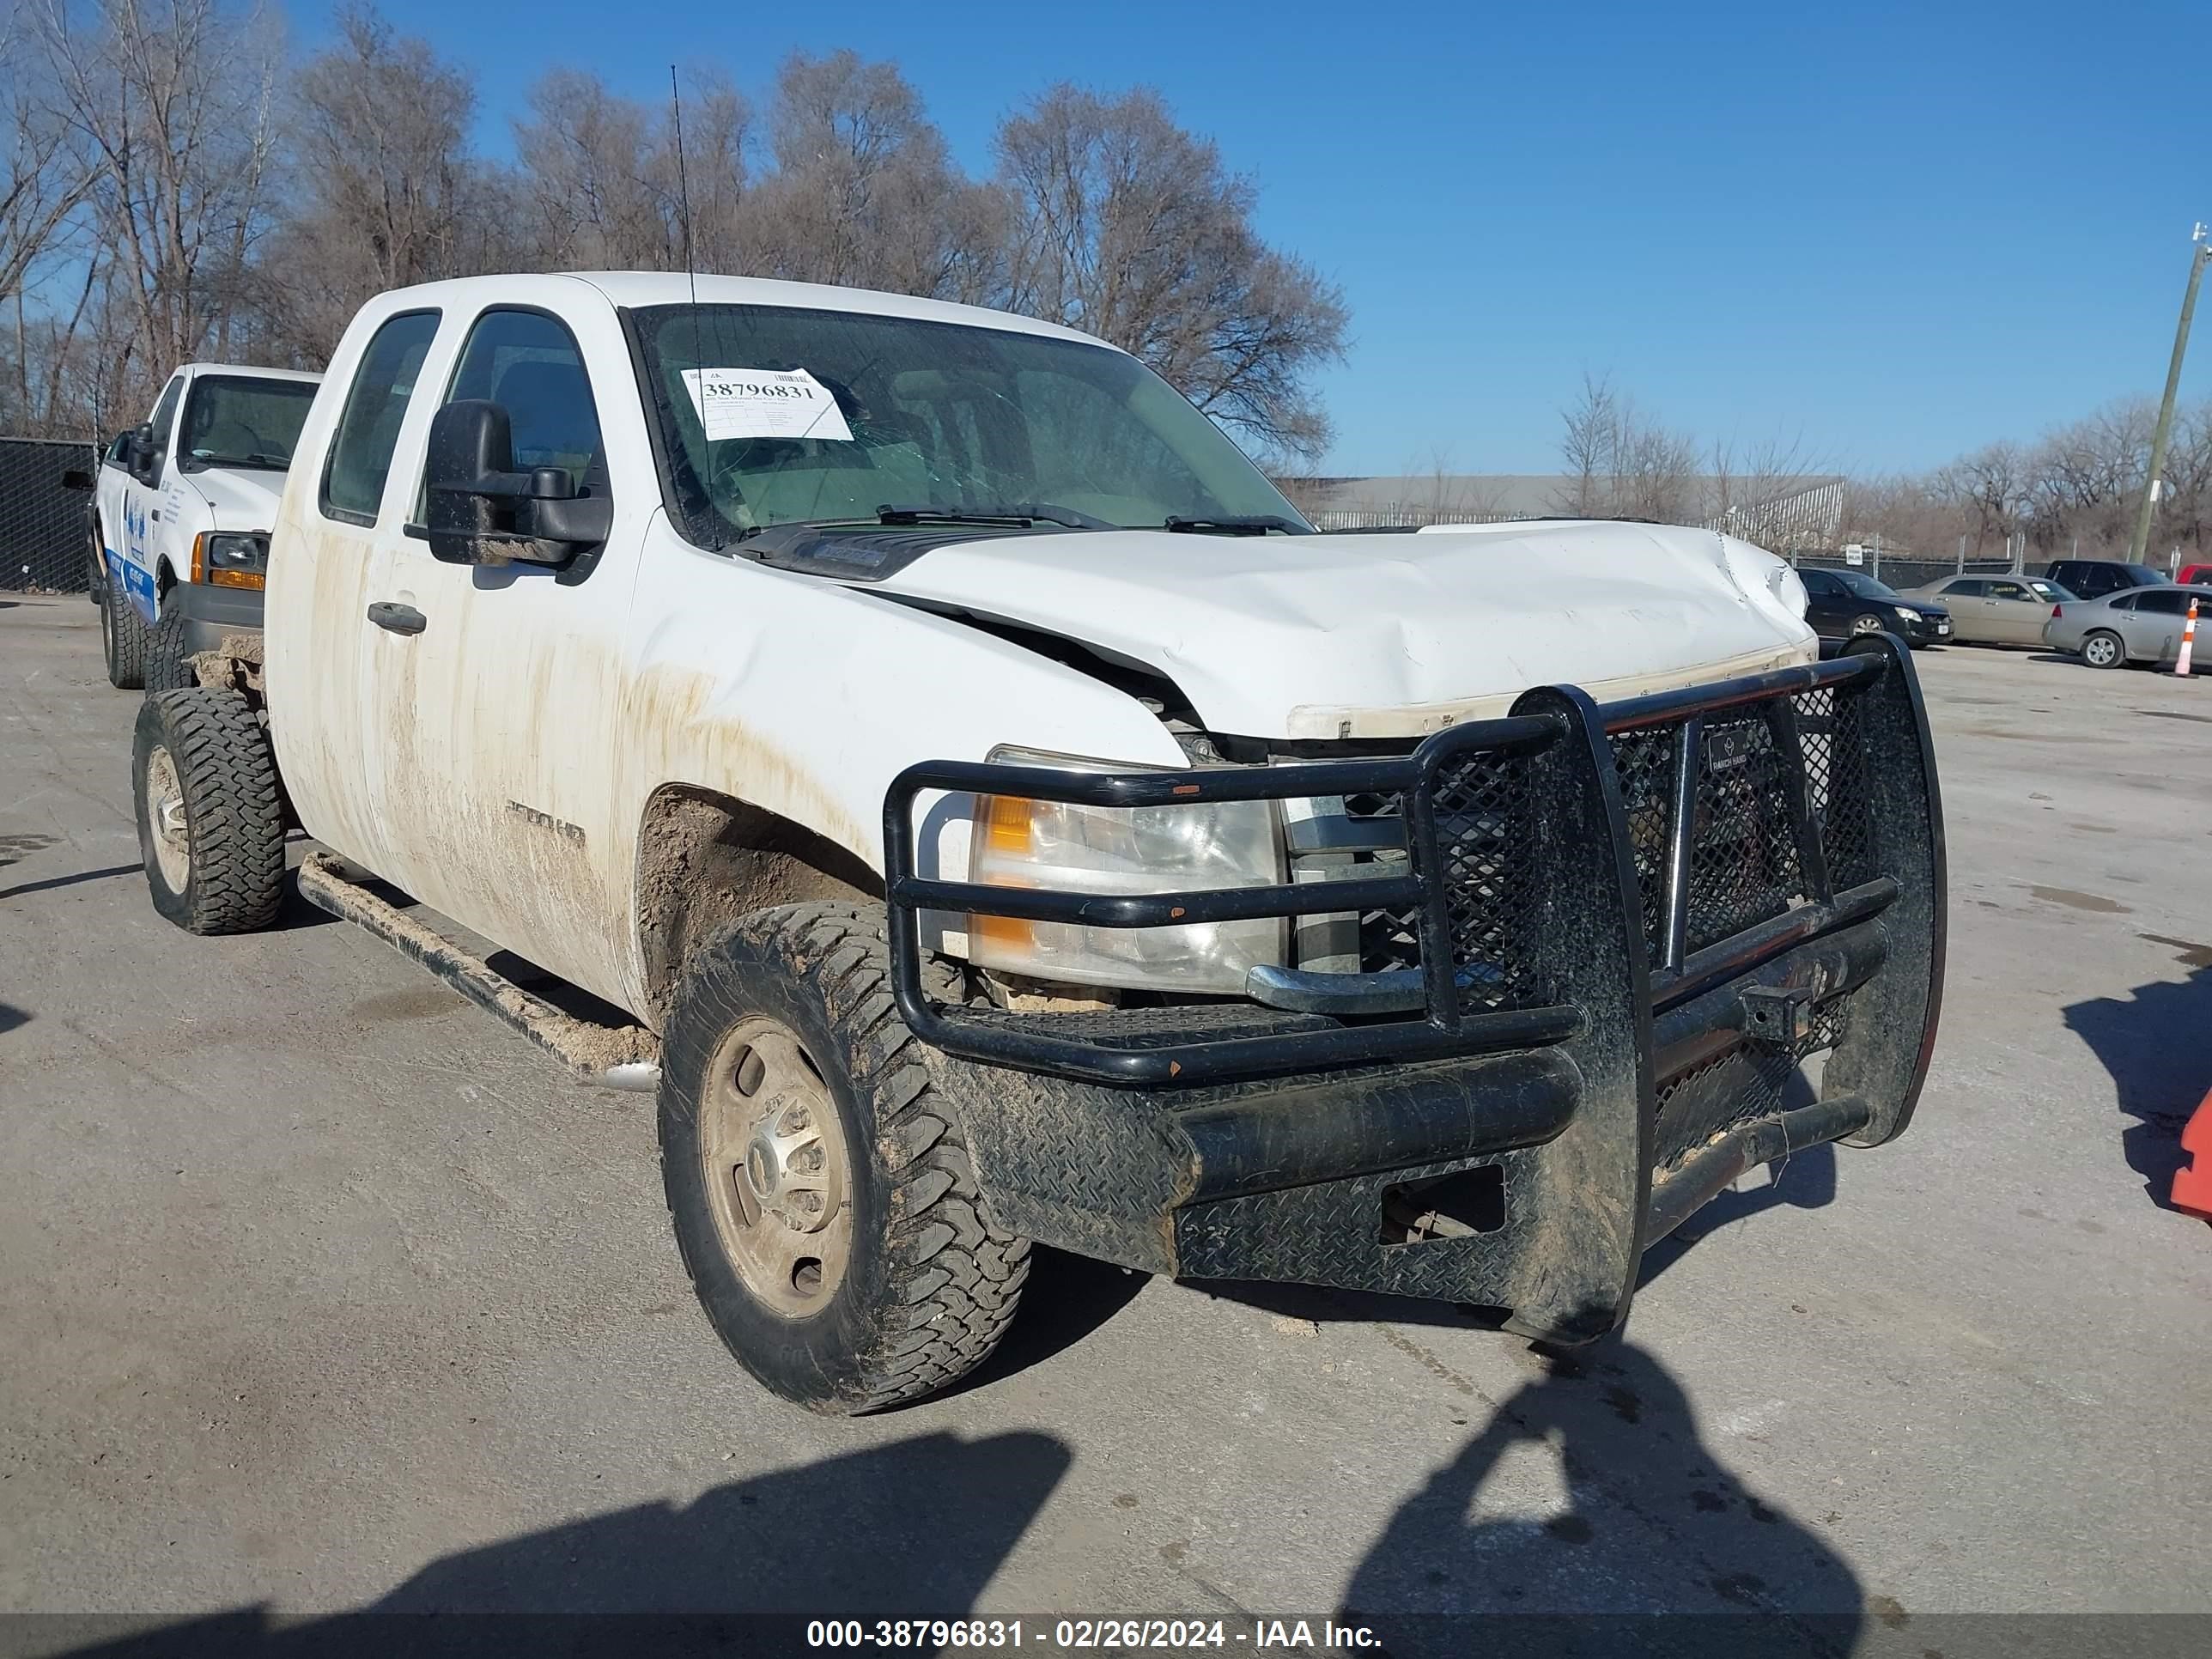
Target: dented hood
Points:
(1387, 635)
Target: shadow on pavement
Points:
(1067, 1298)
(1652, 1521)
(11, 1017)
(1803, 1181)
(2152, 1043)
(52, 882)
(912, 1531)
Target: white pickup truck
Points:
(181, 518)
(1006, 820)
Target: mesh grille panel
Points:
(1487, 839)
(1745, 866)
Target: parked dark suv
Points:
(2092, 578)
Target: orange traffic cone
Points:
(2188, 643)
(2192, 1184)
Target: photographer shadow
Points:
(1659, 1547)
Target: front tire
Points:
(164, 665)
(1866, 624)
(122, 639)
(210, 815)
(822, 1195)
(2104, 649)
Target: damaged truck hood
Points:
(1305, 637)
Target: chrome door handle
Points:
(398, 619)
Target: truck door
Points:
(500, 684)
(130, 511)
(330, 720)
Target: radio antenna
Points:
(683, 191)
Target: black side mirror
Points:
(77, 479)
(479, 510)
(145, 459)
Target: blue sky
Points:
(1899, 231)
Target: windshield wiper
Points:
(1235, 524)
(1013, 512)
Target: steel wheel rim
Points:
(166, 831)
(778, 1173)
(2099, 651)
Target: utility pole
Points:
(2200, 254)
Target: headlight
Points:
(1018, 842)
(1906, 612)
(230, 559)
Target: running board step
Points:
(626, 1057)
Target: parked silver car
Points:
(1994, 610)
(2137, 624)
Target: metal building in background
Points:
(43, 534)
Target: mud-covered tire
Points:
(164, 665)
(926, 1285)
(122, 639)
(221, 870)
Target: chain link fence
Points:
(44, 525)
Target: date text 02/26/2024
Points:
(1080, 1635)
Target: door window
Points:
(1968, 587)
(368, 426)
(528, 363)
(165, 420)
(2008, 591)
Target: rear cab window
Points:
(368, 424)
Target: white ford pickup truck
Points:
(1004, 820)
(180, 522)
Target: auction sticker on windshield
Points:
(764, 403)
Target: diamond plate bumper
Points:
(1631, 926)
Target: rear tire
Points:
(210, 815)
(2104, 649)
(122, 639)
(164, 665)
(822, 1195)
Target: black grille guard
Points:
(1687, 836)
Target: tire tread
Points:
(955, 1278)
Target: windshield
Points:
(942, 417)
(1864, 587)
(2051, 590)
(233, 420)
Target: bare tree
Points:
(1129, 227)
(865, 192)
(45, 181)
(169, 104)
(1589, 437)
(1620, 462)
(602, 177)
(381, 187)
